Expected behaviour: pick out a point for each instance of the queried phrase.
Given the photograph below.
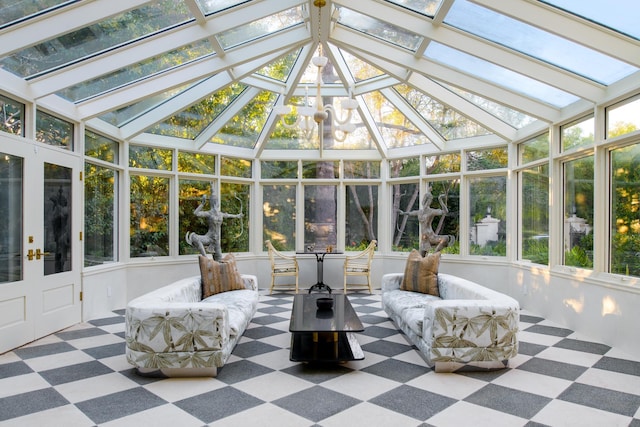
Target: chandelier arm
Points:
(330, 108)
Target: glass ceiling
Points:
(426, 73)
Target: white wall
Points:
(600, 310)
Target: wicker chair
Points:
(282, 265)
(359, 265)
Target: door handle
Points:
(30, 255)
(39, 253)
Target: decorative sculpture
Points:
(426, 216)
(210, 240)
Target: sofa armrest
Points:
(250, 281)
(484, 323)
(391, 281)
(160, 327)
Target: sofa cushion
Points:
(219, 277)
(241, 305)
(421, 273)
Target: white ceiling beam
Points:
(62, 21)
(572, 28)
(262, 50)
(501, 56)
(462, 106)
(371, 126)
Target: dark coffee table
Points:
(324, 335)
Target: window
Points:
(234, 201)
(577, 134)
(100, 200)
(361, 226)
(192, 193)
(320, 208)
(279, 214)
(487, 209)
(150, 158)
(54, 131)
(534, 196)
(578, 212)
(149, 216)
(625, 206)
(623, 118)
(11, 116)
(406, 228)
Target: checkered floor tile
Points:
(79, 377)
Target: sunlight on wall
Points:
(575, 304)
(609, 306)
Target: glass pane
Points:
(261, 27)
(100, 147)
(625, 205)
(400, 168)
(534, 149)
(279, 215)
(508, 115)
(577, 134)
(397, 131)
(448, 224)
(96, 38)
(234, 203)
(235, 167)
(191, 122)
(447, 122)
(494, 158)
(535, 214)
(623, 118)
(212, 6)
(379, 29)
(320, 207)
(196, 163)
(578, 212)
(488, 215)
(443, 163)
(361, 226)
(150, 158)
(100, 215)
(11, 212)
(406, 228)
(279, 169)
(615, 15)
(320, 170)
(149, 212)
(57, 219)
(11, 116)
(280, 69)
(12, 10)
(139, 71)
(426, 7)
(191, 194)
(244, 129)
(479, 68)
(361, 169)
(360, 70)
(53, 131)
(536, 43)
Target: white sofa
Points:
(172, 332)
(468, 325)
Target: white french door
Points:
(40, 207)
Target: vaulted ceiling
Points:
(428, 75)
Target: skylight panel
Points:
(360, 70)
(537, 43)
(396, 129)
(618, 15)
(281, 68)
(190, 122)
(12, 11)
(482, 69)
(139, 71)
(212, 6)
(446, 121)
(425, 7)
(508, 115)
(260, 28)
(88, 41)
(379, 29)
(244, 129)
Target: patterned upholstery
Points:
(173, 332)
(468, 325)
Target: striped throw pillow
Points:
(421, 273)
(220, 276)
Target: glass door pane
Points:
(57, 218)
(11, 206)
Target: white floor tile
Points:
(467, 414)
(565, 414)
(268, 415)
(22, 384)
(569, 356)
(272, 386)
(360, 385)
(89, 388)
(175, 389)
(68, 416)
(531, 382)
(59, 360)
(163, 416)
(611, 380)
(448, 384)
(368, 415)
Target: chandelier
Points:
(311, 116)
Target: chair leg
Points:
(273, 283)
